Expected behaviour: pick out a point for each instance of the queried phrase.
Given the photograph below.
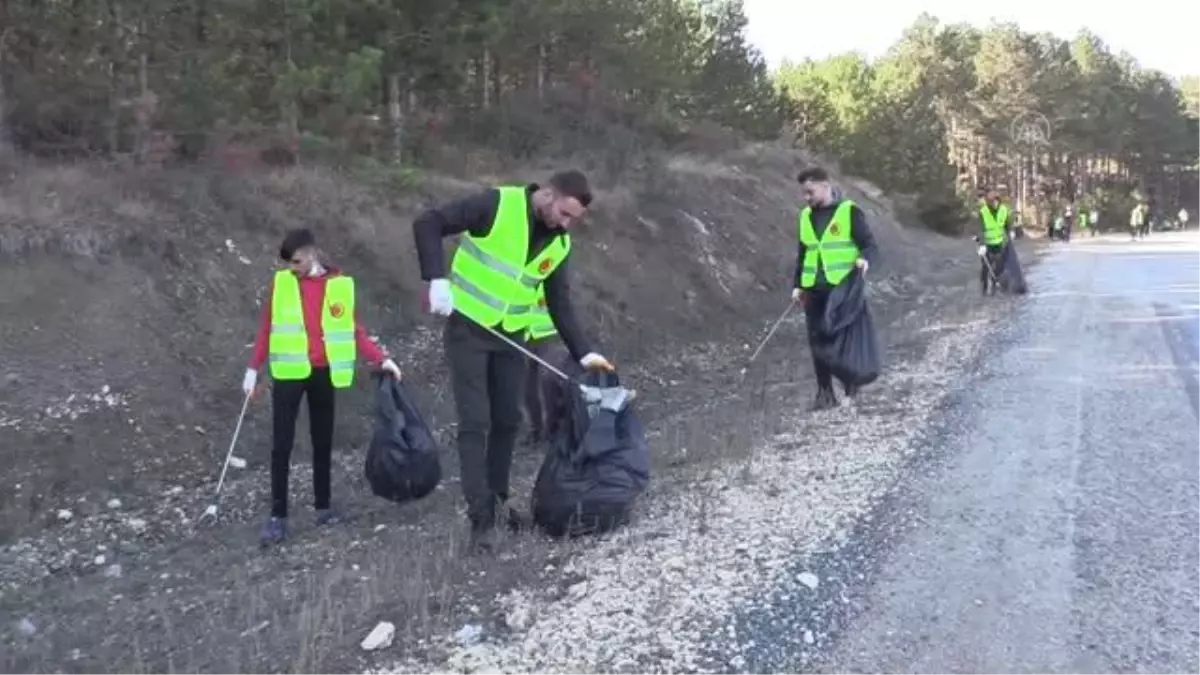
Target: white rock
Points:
(113, 571)
(65, 515)
(518, 618)
(26, 627)
(137, 524)
(469, 634)
(99, 560)
(809, 638)
(237, 462)
(808, 579)
(114, 503)
(380, 637)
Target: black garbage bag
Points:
(598, 463)
(846, 342)
(1010, 278)
(402, 461)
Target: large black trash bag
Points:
(847, 343)
(402, 462)
(598, 463)
(1010, 278)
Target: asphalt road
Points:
(1060, 533)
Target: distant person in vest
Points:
(515, 239)
(541, 338)
(995, 231)
(834, 240)
(311, 338)
(1137, 220)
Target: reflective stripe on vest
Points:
(541, 326)
(835, 251)
(993, 224)
(288, 345)
(492, 283)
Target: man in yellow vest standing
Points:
(311, 337)
(995, 231)
(515, 239)
(834, 240)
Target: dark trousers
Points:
(487, 376)
(285, 405)
(814, 310)
(994, 256)
(536, 409)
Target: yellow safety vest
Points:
(835, 251)
(541, 326)
(288, 346)
(492, 284)
(993, 224)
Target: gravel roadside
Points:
(658, 596)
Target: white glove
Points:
(862, 264)
(594, 361)
(796, 293)
(441, 300)
(389, 366)
(982, 251)
(250, 379)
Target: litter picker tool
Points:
(528, 354)
(210, 513)
(786, 311)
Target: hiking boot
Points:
(331, 517)
(825, 400)
(274, 532)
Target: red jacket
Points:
(312, 296)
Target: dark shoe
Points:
(483, 539)
(331, 517)
(825, 400)
(273, 532)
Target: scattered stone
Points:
(26, 627)
(65, 515)
(114, 503)
(809, 638)
(380, 637)
(809, 579)
(469, 634)
(518, 618)
(237, 462)
(137, 524)
(113, 571)
(99, 560)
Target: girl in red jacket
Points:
(300, 252)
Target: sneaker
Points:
(273, 532)
(331, 517)
(825, 400)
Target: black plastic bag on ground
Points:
(1010, 278)
(848, 344)
(402, 461)
(598, 463)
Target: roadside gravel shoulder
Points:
(656, 597)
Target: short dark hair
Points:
(813, 173)
(295, 240)
(572, 183)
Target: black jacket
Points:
(860, 232)
(474, 214)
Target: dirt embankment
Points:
(129, 301)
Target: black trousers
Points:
(285, 407)
(487, 376)
(994, 256)
(814, 309)
(536, 409)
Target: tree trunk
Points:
(395, 117)
(485, 79)
(113, 126)
(542, 68)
